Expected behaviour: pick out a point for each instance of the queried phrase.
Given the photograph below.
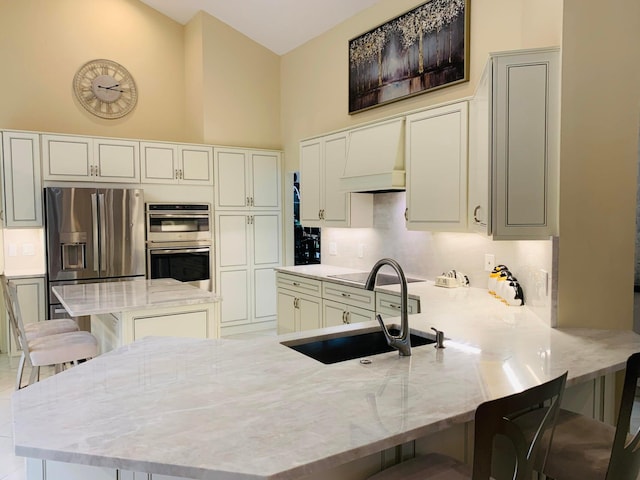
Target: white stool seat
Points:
(62, 348)
(50, 327)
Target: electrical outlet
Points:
(361, 250)
(333, 248)
(489, 261)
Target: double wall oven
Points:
(179, 241)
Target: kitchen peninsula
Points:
(255, 409)
(122, 312)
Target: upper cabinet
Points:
(176, 164)
(514, 146)
(323, 202)
(71, 158)
(247, 179)
(22, 193)
(436, 162)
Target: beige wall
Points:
(600, 100)
(203, 82)
(43, 43)
(241, 95)
(315, 75)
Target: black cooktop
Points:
(381, 280)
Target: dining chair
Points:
(587, 449)
(495, 424)
(56, 349)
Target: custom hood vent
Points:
(375, 158)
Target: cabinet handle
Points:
(251, 201)
(344, 317)
(475, 214)
(91, 171)
(393, 305)
(248, 204)
(406, 214)
(181, 175)
(296, 284)
(175, 174)
(319, 214)
(97, 170)
(347, 295)
(295, 303)
(348, 317)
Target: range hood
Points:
(375, 158)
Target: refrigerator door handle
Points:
(103, 234)
(94, 221)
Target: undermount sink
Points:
(353, 344)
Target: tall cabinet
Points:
(514, 146)
(248, 231)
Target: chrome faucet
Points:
(401, 342)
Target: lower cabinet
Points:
(51, 470)
(305, 303)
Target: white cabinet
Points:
(299, 303)
(22, 192)
(389, 305)
(323, 202)
(31, 296)
(436, 162)
(336, 313)
(247, 179)
(176, 164)
(248, 247)
(514, 146)
(76, 158)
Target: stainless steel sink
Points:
(353, 344)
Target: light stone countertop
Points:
(255, 409)
(110, 297)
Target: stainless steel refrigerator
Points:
(93, 235)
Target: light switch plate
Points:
(333, 248)
(489, 262)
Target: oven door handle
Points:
(178, 215)
(156, 251)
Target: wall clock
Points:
(105, 88)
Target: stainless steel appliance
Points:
(179, 242)
(93, 235)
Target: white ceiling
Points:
(279, 25)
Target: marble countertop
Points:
(110, 297)
(252, 409)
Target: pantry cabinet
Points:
(514, 146)
(323, 202)
(248, 248)
(22, 193)
(247, 179)
(436, 163)
(85, 159)
(176, 164)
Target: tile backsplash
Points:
(427, 254)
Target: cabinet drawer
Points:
(299, 284)
(358, 297)
(389, 304)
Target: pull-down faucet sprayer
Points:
(401, 342)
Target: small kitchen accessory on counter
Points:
(452, 279)
(493, 278)
(505, 287)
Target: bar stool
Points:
(494, 420)
(586, 449)
(56, 349)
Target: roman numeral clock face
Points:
(105, 88)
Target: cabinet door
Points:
(22, 179)
(479, 209)
(116, 161)
(436, 161)
(336, 207)
(309, 313)
(266, 238)
(233, 285)
(196, 165)
(232, 239)
(311, 183)
(231, 190)
(356, 315)
(67, 157)
(333, 313)
(265, 180)
(158, 162)
(526, 145)
(264, 294)
(286, 311)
